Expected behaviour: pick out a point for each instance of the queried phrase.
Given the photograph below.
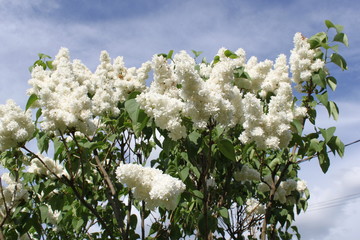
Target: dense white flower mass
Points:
(262, 102)
(302, 60)
(63, 96)
(16, 126)
(151, 185)
(47, 167)
(11, 194)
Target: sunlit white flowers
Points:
(151, 185)
(16, 126)
(302, 60)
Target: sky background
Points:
(139, 29)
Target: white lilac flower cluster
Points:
(284, 190)
(16, 126)
(263, 104)
(47, 167)
(71, 96)
(253, 206)
(11, 194)
(247, 174)
(302, 61)
(151, 185)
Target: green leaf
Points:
(30, 101)
(224, 213)
(333, 110)
(49, 64)
(323, 98)
(319, 79)
(198, 194)
(342, 37)
(317, 40)
(327, 133)
(226, 147)
(324, 161)
(316, 145)
(43, 56)
(184, 173)
(331, 81)
(216, 60)
(329, 24)
(339, 60)
(42, 142)
(169, 55)
(298, 126)
(340, 146)
(196, 53)
(339, 28)
(230, 54)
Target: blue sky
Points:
(139, 29)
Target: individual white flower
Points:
(16, 126)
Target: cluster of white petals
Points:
(47, 167)
(247, 174)
(113, 83)
(71, 96)
(262, 103)
(269, 126)
(253, 206)
(285, 188)
(151, 185)
(11, 194)
(302, 60)
(16, 126)
(63, 95)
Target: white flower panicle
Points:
(302, 60)
(285, 188)
(11, 195)
(247, 174)
(215, 92)
(63, 96)
(114, 82)
(161, 101)
(71, 96)
(16, 126)
(47, 167)
(151, 185)
(253, 206)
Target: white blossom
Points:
(247, 174)
(253, 206)
(12, 194)
(47, 167)
(302, 60)
(16, 126)
(63, 95)
(151, 185)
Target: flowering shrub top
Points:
(228, 136)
